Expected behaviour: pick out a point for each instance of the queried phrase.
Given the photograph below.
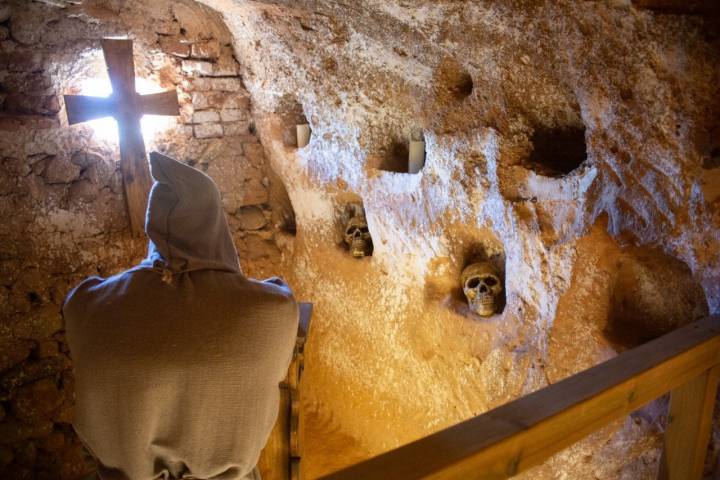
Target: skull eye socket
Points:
(351, 230)
(473, 282)
(490, 282)
(364, 229)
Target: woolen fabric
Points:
(178, 360)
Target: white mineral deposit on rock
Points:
(575, 145)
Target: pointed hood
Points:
(185, 220)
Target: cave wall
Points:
(557, 133)
(61, 195)
(573, 143)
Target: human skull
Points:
(357, 236)
(482, 288)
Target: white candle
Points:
(303, 135)
(416, 158)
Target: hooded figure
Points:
(178, 360)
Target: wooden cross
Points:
(127, 106)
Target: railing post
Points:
(688, 428)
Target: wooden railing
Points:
(525, 432)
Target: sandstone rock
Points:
(47, 348)
(178, 47)
(6, 456)
(254, 193)
(226, 64)
(12, 353)
(37, 401)
(14, 431)
(61, 170)
(205, 49)
(83, 191)
(5, 12)
(40, 323)
(26, 454)
(251, 218)
(26, 26)
(53, 442)
(208, 130)
(236, 128)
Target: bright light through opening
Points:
(107, 128)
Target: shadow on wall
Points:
(653, 294)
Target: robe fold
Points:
(178, 360)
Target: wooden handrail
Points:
(523, 433)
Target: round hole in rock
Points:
(654, 294)
(557, 151)
(453, 81)
(392, 158)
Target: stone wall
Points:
(572, 142)
(61, 193)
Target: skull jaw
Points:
(483, 305)
(357, 248)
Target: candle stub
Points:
(416, 158)
(303, 135)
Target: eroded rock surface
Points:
(576, 145)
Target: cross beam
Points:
(127, 106)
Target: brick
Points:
(200, 100)
(233, 114)
(208, 130)
(205, 116)
(197, 67)
(233, 84)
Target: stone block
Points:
(251, 218)
(32, 104)
(234, 129)
(254, 152)
(208, 130)
(205, 49)
(14, 431)
(254, 193)
(205, 116)
(61, 170)
(232, 84)
(175, 46)
(226, 65)
(201, 100)
(197, 67)
(239, 100)
(233, 114)
(37, 401)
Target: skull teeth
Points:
(358, 248)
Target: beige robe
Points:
(178, 360)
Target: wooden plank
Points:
(689, 426)
(135, 171)
(118, 55)
(525, 432)
(81, 108)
